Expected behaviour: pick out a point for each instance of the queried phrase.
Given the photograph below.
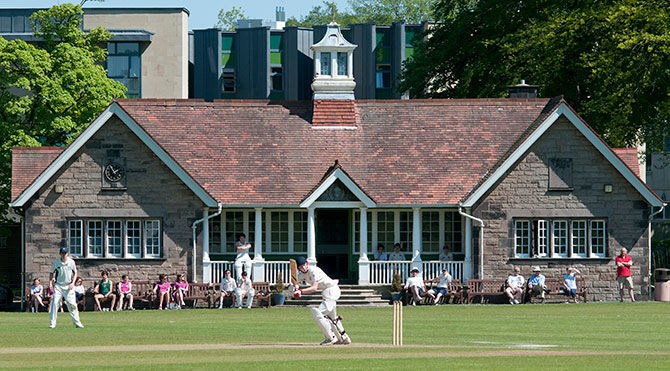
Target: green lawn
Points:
(557, 336)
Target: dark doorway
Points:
(332, 243)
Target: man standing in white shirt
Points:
(514, 285)
(242, 258)
(325, 316)
(245, 288)
(63, 276)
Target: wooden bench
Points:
(555, 286)
(143, 294)
(199, 291)
(259, 288)
(454, 289)
(45, 299)
(487, 287)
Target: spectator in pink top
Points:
(624, 280)
(125, 288)
(162, 288)
(180, 290)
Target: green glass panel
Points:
(227, 43)
(383, 38)
(409, 53)
(227, 60)
(275, 58)
(409, 38)
(383, 54)
(276, 41)
(276, 95)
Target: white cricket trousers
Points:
(238, 267)
(62, 292)
(249, 294)
(328, 308)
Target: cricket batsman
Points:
(325, 316)
(63, 276)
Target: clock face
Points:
(114, 172)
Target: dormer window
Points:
(325, 63)
(333, 66)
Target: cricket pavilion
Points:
(165, 186)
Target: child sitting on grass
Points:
(162, 289)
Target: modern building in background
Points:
(148, 51)
(266, 63)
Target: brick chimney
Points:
(522, 90)
(333, 84)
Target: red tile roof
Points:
(28, 163)
(400, 152)
(629, 157)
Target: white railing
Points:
(262, 271)
(381, 272)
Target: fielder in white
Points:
(325, 316)
(63, 276)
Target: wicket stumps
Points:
(397, 323)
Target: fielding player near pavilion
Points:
(63, 276)
(325, 316)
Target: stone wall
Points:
(152, 190)
(523, 192)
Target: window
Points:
(3, 242)
(325, 63)
(666, 144)
(562, 238)
(300, 231)
(522, 238)
(383, 76)
(560, 174)
(279, 231)
(385, 230)
(579, 238)
(452, 231)
(234, 227)
(598, 244)
(277, 78)
(215, 234)
(152, 239)
(94, 238)
(134, 238)
(124, 66)
(342, 62)
(430, 231)
(75, 235)
(114, 238)
(406, 226)
(357, 231)
(228, 81)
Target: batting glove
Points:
(297, 294)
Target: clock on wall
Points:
(114, 172)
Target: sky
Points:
(203, 12)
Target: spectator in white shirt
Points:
(514, 285)
(445, 255)
(416, 286)
(396, 255)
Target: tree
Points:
(227, 18)
(381, 12)
(49, 92)
(611, 59)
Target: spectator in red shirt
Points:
(624, 280)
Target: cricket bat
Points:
(294, 272)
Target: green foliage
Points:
(279, 287)
(226, 18)
(49, 92)
(396, 282)
(381, 12)
(611, 60)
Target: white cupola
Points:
(333, 66)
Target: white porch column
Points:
(258, 271)
(311, 237)
(416, 235)
(206, 266)
(468, 267)
(363, 262)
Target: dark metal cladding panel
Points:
(298, 64)
(207, 64)
(364, 36)
(397, 55)
(252, 50)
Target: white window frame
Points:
(127, 238)
(88, 238)
(555, 237)
(292, 227)
(574, 242)
(107, 238)
(521, 242)
(543, 238)
(440, 231)
(81, 251)
(604, 238)
(224, 230)
(289, 231)
(388, 245)
(145, 238)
